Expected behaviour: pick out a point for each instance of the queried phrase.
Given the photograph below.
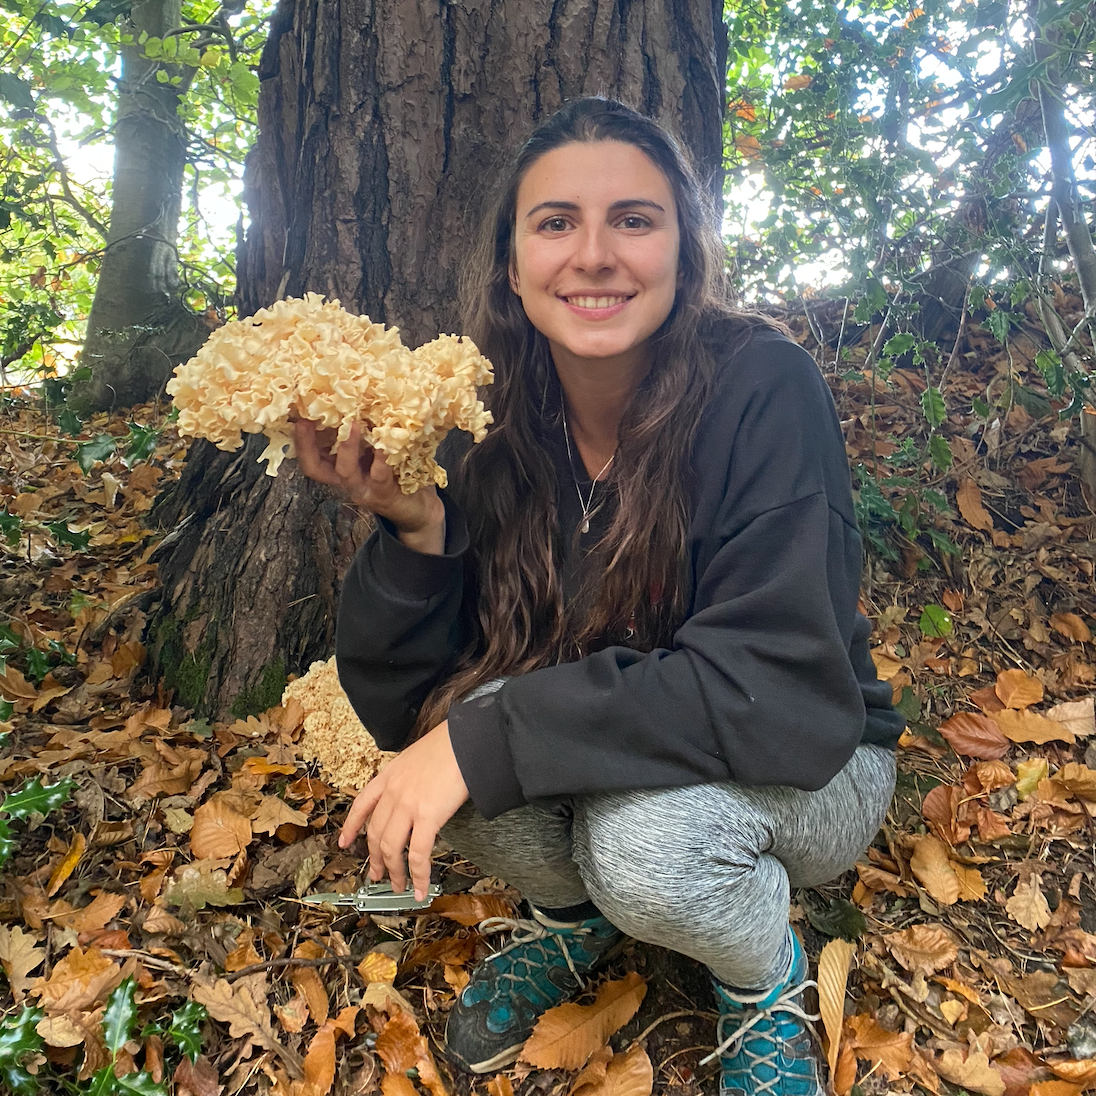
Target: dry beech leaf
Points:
(627, 1074)
(973, 1073)
(19, 956)
(971, 735)
(397, 1084)
(595, 1069)
(1077, 779)
(246, 1018)
(986, 699)
(891, 1051)
(384, 998)
(1027, 726)
(972, 887)
(378, 967)
(969, 500)
(953, 1011)
(932, 868)
(500, 1086)
(218, 832)
(1028, 906)
(162, 923)
(1015, 689)
(293, 1015)
(1030, 773)
(307, 981)
(1071, 626)
(471, 909)
(198, 1078)
(926, 948)
(274, 812)
(833, 979)
(567, 1035)
(1055, 1088)
(243, 954)
(1078, 1071)
(67, 865)
(62, 1031)
(989, 776)
(319, 1063)
(96, 915)
(400, 1046)
(886, 666)
(1077, 716)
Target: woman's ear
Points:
(515, 285)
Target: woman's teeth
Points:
(595, 302)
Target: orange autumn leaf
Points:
(471, 909)
(1030, 727)
(1015, 689)
(567, 1035)
(219, 832)
(971, 735)
(96, 915)
(500, 1086)
(1079, 1071)
(969, 500)
(797, 83)
(67, 864)
(748, 146)
(627, 1074)
(1071, 626)
(932, 868)
(972, 1072)
(80, 980)
(833, 978)
(378, 967)
(927, 948)
(892, 1052)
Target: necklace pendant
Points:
(585, 528)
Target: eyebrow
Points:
(624, 203)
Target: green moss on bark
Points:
(265, 694)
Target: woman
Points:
(627, 634)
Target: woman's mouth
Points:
(605, 304)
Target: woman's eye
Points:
(554, 224)
(634, 220)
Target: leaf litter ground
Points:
(151, 931)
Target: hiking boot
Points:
(765, 1042)
(542, 966)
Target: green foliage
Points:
(34, 798)
(60, 67)
(185, 1028)
(19, 1041)
(935, 621)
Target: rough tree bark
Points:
(380, 126)
(138, 330)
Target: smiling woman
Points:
(626, 636)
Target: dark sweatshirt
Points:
(767, 681)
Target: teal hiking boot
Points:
(542, 966)
(765, 1042)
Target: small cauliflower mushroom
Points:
(335, 368)
(333, 735)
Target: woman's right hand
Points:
(363, 475)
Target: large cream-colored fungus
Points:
(334, 368)
(333, 735)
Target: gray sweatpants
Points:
(704, 870)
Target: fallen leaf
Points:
(397, 1084)
(932, 868)
(14, 686)
(833, 978)
(927, 948)
(989, 776)
(61, 1031)
(941, 809)
(1077, 716)
(197, 1078)
(500, 1086)
(307, 981)
(246, 1018)
(198, 885)
(244, 954)
(1028, 906)
(319, 1063)
(973, 1072)
(378, 967)
(218, 832)
(19, 955)
(986, 699)
(1078, 1071)
(566, 1036)
(969, 500)
(401, 1046)
(595, 1069)
(274, 812)
(972, 887)
(1016, 689)
(1055, 1088)
(80, 980)
(953, 1011)
(1029, 775)
(971, 735)
(162, 923)
(96, 915)
(471, 909)
(890, 1051)
(886, 666)
(1080, 780)
(1071, 626)
(293, 1015)
(1028, 726)
(627, 1074)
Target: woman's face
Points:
(596, 250)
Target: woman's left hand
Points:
(406, 805)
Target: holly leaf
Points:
(119, 1016)
(932, 404)
(839, 919)
(33, 798)
(19, 1038)
(139, 1084)
(7, 843)
(69, 422)
(11, 526)
(941, 455)
(70, 537)
(186, 1024)
(140, 443)
(88, 452)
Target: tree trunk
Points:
(380, 127)
(138, 330)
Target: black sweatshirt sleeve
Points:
(399, 626)
(759, 685)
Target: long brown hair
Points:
(633, 592)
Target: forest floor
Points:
(156, 861)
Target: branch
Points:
(59, 166)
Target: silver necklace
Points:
(585, 526)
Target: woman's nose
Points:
(593, 250)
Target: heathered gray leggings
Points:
(703, 870)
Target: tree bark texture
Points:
(381, 128)
(137, 329)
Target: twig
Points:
(274, 964)
(671, 1016)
